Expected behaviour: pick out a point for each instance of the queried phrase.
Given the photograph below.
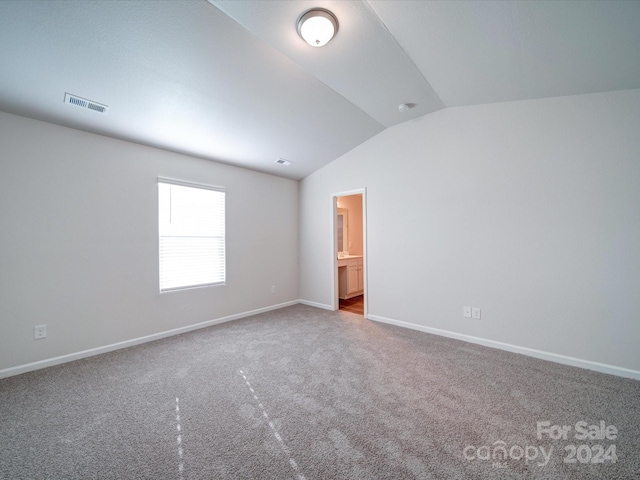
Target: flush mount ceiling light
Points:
(317, 26)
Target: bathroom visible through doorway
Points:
(349, 237)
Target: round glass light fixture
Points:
(317, 26)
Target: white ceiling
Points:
(231, 81)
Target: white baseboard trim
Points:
(324, 306)
(552, 357)
(9, 372)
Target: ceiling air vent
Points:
(282, 161)
(84, 103)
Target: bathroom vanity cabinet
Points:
(350, 276)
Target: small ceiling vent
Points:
(84, 103)
(282, 161)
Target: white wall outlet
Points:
(475, 313)
(466, 311)
(39, 332)
(273, 289)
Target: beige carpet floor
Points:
(303, 393)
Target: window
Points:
(192, 235)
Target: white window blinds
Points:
(192, 235)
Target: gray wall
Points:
(79, 241)
(529, 210)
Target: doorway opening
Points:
(349, 252)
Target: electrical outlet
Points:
(475, 313)
(273, 289)
(39, 332)
(466, 311)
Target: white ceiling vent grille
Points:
(282, 161)
(84, 103)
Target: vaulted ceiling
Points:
(231, 80)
